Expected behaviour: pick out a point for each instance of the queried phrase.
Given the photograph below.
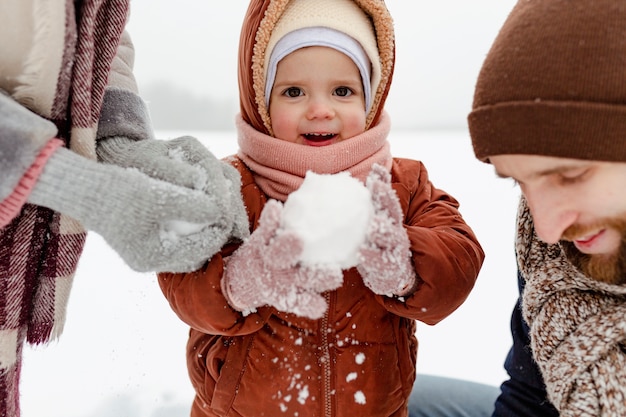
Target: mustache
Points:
(577, 230)
(606, 268)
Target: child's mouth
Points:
(319, 139)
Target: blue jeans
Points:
(434, 396)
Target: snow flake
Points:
(360, 358)
(359, 397)
(177, 154)
(303, 394)
(200, 177)
(351, 377)
(172, 229)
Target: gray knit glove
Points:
(185, 162)
(152, 224)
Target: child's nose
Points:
(320, 109)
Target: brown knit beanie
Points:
(554, 83)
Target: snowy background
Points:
(122, 353)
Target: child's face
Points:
(317, 98)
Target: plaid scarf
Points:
(39, 250)
(577, 328)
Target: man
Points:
(550, 112)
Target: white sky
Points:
(440, 47)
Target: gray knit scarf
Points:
(577, 328)
(39, 249)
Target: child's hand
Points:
(385, 257)
(265, 270)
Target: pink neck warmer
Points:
(279, 167)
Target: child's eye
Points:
(343, 91)
(293, 92)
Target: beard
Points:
(609, 268)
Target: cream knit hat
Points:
(341, 15)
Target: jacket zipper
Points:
(325, 359)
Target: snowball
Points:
(330, 213)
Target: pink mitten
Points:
(385, 256)
(265, 271)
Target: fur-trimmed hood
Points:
(260, 20)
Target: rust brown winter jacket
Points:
(359, 358)
(365, 344)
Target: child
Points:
(269, 335)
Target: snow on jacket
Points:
(363, 348)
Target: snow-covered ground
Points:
(123, 349)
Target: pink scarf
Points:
(279, 166)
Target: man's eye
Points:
(573, 176)
(293, 92)
(343, 91)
